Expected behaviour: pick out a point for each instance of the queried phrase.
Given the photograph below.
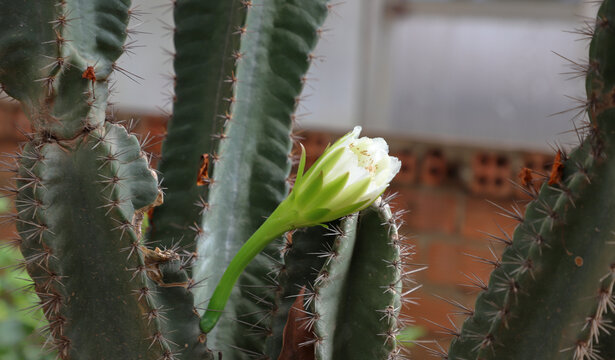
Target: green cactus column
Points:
(73, 243)
(250, 176)
(83, 184)
(350, 280)
(206, 37)
(551, 295)
(172, 289)
(359, 290)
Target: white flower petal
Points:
(362, 158)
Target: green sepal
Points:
(329, 191)
(354, 192)
(301, 167)
(326, 161)
(349, 209)
(315, 215)
(310, 190)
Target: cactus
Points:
(550, 295)
(84, 186)
(357, 298)
(72, 240)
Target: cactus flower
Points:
(348, 177)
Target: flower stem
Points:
(275, 225)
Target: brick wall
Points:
(453, 194)
(448, 190)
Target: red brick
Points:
(315, 143)
(6, 126)
(408, 171)
(452, 263)
(429, 312)
(6, 173)
(481, 216)
(491, 174)
(538, 162)
(423, 352)
(155, 125)
(8, 229)
(154, 129)
(445, 263)
(429, 210)
(433, 168)
(21, 125)
(13, 122)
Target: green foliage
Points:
(408, 335)
(4, 205)
(18, 337)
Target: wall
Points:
(452, 193)
(474, 72)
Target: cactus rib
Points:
(172, 289)
(205, 38)
(304, 253)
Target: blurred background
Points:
(467, 92)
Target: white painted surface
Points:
(149, 60)
(484, 80)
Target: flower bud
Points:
(349, 176)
